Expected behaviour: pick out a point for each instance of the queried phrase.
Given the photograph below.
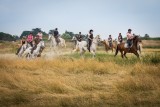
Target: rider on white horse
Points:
(90, 39)
(30, 39)
(79, 37)
(38, 39)
(56, 35)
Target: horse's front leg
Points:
(125, 54)
(93, 54)
(122, 54)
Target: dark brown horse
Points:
(121, 47)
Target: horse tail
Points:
(140, 48)
(116, 51)
(64, 43)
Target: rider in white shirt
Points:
(129, 38)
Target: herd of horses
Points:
(82, 47)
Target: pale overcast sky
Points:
(103, 16)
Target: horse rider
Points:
(120, 39)
(36, 40)
(30, 39)
(56, 35)
(40, 36)
(110, 41)
(90, 39)
(129, 38)
(23, 41)
(79, 37)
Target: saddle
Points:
(126, 45)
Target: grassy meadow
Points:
(68, 80)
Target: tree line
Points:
(66, 35)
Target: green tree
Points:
(34, 31)
(6, 37)
(67, 35)
(25, 33)
(146, 36)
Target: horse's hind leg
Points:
(122, 54)
(116, 52)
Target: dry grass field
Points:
(67, 80)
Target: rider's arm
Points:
(21, 42)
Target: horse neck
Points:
(95, 40)
(135, 43)
(50, 37)
(38, 46)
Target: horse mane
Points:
(135, 40)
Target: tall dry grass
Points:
(73, 82)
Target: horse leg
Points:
(116, 51)
(136, 53)
(122, 54)
(81, 52)
(93, 53)
(125, 54)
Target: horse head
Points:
(98, 38)
(74, 38)
(49, 36)
(103, 41)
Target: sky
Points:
(105, 17)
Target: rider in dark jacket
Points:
(79, 37)
(110, 41)
(90, 39)
(120, 39)
(56, 35)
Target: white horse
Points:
(27, 52)
(53, 42)
(21, 51)
(36, 52)
(74, 39)
(82, 46)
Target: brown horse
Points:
(121, 47)
(107, 47)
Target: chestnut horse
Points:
(134, 48)
(107, 47)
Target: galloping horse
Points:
(53, 42)
(82, 46)
(37, 52)
(106, 44)
(32, 53)
(123, 49)
(27, 52)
